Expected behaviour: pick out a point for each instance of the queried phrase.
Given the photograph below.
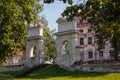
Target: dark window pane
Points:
(111, 53)
(89, 40)
(81, 30)
(81, 21)
(110, 40)
(81, 41)
(90, 54)
(89, 30)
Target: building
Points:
(15, 60)
(86, 39)
(76, 42)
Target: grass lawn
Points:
(53, 72)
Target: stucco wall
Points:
(67, 26)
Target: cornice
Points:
(66, 32)
(35, 38)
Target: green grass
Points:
(53, 72)
(11, 74)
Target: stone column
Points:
(58, 50)
(73, 46)
(40, 52)
(27, 55)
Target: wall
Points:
(67, 26)
(35, 32)
(99, 67)
(67, 31)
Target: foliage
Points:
(53, 72)
(14, 16)
(104, 15)
(67, 47)
(65, 1)
(49, 40)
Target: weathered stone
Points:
(34, 46)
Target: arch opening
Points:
(65, 47)
(33, 52)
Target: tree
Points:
(102, 13)
(65, 1)
(14, 16)
(49, 40)
(104, 16)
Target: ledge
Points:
(35, 37)
(66, 32)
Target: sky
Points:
(53, 11)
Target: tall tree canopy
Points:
(104, 15)
(65, 1)
(14, 16)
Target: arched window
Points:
(33, 51)
(66, 47)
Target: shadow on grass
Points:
(54, 71)
(51, 71)
(9, 75)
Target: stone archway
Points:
(34, 45)
(66, 42)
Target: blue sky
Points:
(53, 11)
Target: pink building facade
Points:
(86, 40)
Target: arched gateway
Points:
(66, 51)
(34, 45)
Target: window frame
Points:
(81, 41)
(90, 54)
(89, 30)
(81, 30)
(89, 40)
(111, 53)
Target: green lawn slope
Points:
(53, 72)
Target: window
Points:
(111, 53)
(81, 21)
(110, 40)
(81, 41)
(81, 31)
(90, 54)
(89, 40)
(101, 54)
(89, 30)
